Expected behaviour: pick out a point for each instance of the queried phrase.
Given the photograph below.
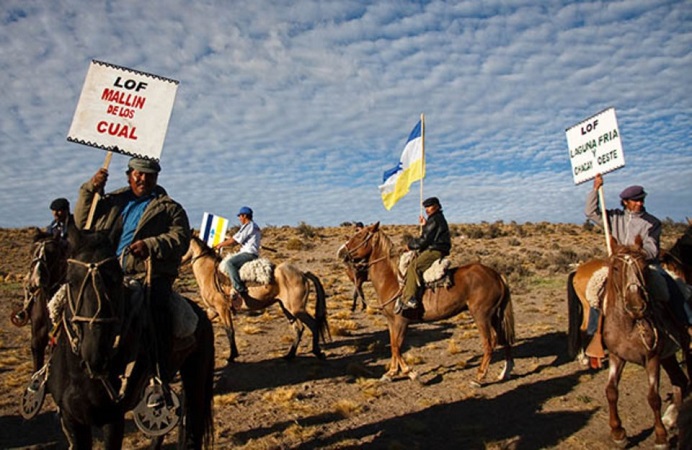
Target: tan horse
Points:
(475, 287)
(632, 332)
(290, 288)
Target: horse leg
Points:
(617, 433)
(679, 381)
(39, 332)
(359, 291)
(653, 370)
(222, 307)
(297, 329)
(397, 332)
(488, 343)
(355, 298)
(113, 434)
(311, 323)
(78, 436)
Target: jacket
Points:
(626, 225)
(164, 227)
(434, 236)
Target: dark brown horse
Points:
(632, 332)
(475, 287)
(46, 273)
(357, 272)
(678, 260)
(102, 366)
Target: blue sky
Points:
(296, 108)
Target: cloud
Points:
(297, 108)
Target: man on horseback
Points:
(60, 208)
(248, 237)
(145, 223)
(434, 243)
(632, 221)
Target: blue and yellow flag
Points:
(411, 167)
(213, 229)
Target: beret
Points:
(633, 193)
(245, 210)
(431, 201)
(144, 165)
(59, 204)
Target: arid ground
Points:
(265, 402)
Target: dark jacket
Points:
(435, 235)
(164, 227)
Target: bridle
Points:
(39, 263)
(632, 278)
(93, 278)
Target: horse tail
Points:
(503, 322)
(197, 374)
(320, 307)
(574, 314)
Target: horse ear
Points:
(613, 242)
(376, 226)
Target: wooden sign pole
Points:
(97, 196)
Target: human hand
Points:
(597, 182)
(139, 249)
(99, 179)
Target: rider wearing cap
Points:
(632, 221)
(625, 224)
(60, 207)
(433, 243)
(145, 223)
(248, 237)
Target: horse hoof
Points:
(386, 378)
(620, 443)
(475, 384)
(661, 446)
(413, 376)
(320, 355)
(670, 417)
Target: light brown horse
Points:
(632, 332)
(290, 288)
(475, 287)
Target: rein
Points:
(631, 268)
(368, 263)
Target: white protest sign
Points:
(595, 146)
(123, 110)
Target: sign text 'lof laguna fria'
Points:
(595, 146)
(123, 110)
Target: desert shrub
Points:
(306, 231)
(294, 244)
(514, 242)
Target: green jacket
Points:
(164, 227)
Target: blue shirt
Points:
(131, 214)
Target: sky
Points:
(297, 108)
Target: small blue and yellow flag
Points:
(213, 229)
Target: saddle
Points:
(438, 275)
(258, 272)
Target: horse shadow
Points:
(514, 418)
(369, 359)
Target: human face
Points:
(430, 210)
(142, 183)
(634, 206)
(60, 215)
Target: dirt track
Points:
(264, 402)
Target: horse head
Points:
(92, 316)
(360, 246)
(627, 275)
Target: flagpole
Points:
(422, 135)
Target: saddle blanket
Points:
(260, 270)
(434, 273)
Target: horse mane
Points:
(204, 248)
(386, 246)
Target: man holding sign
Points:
(632, 221)
(145, 223)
